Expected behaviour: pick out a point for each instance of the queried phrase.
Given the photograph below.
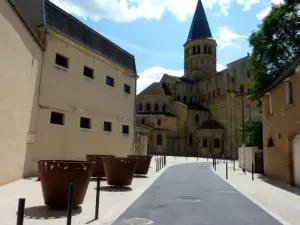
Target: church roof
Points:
(200, 27)
(156, 88)
(36, 13)
(211, 125)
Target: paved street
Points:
(193, 194)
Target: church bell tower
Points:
(200, 47)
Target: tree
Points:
(253, 133)
(276, 43)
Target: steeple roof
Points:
(200, 27)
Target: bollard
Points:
(244, 170)
(20, 215)
(226, 171)
(215, 165)
(233, 165)
(252, 171)
(165, 160)
(156, 163)
(97, 198)
(70, 204)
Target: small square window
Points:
(125, 129)
(85, 123)
(127, 88)
(88, 72)
(57, 118)
(110, 81)
(107, 126)
(62, 61)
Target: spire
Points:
(200, 27)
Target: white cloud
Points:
(154, 74)
(226, 37)
(130, 10)
(220, 67)
(263, 13)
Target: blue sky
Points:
(154, 31)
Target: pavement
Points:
(279, 199)
(188, 194)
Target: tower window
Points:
(159, 139)
(205, 49)
(148, 107)
(194, 50)
(156, 107)
(209, 50)
(198, 47)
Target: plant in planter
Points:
(56, 175)
(99, 168)
(143, 163)
(119, 171)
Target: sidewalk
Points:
(112, 202)
(278, 199)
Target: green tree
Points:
(276, 43)
(253, 133)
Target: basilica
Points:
(202, 112)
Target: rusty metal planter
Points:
(99, 168)
(143, 163)
(119, 171)
(56, 175)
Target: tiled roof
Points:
(196, 107)
(200, 27)
(211, 125)
(157, 113)
(287, 73)
(37, 13)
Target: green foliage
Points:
(253, 133)
(275, 45)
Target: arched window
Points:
(156, 107)
(204, 143)
(194, 50)
(196, 118)
(148, 107)
(209, 50)
(141, 107)
(198, 49)
(217, 143)
(159, 139)
(205, 49)
(164, 107)
(158, 122)
(143, 121)
(191, 140)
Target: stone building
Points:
(201, 112)
(65, 90)
(281, 126)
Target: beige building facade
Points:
(281, 126)
(66, 91)
(200, 113)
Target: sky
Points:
(154, 31)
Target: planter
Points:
(56, 175)
(99, 168)
(119, 171)
(143, 163)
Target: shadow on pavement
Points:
(140, 176)
(280, 184)
(44, 213)
(115, 189)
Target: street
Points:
(193, 194)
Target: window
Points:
(57, 118)
(194, 50)
(269, 104)
(164, 107)
(288, 93)
(148, 107)
(125, 129)
(218, 91)
(197, 118)
(205, 49)
(107, 126)
(217, 143)
(209, 50)
(178, 98)
(204, 143)
(159, 139)
(156, 107)
(143, 121)
(158, 122)
(127, 88)
(141, 107)
(191, 140)
(110, 81)
(88, 72)
(198, 47)
(184, 99)
(85, 123)
(62, 61)
(191, 99)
